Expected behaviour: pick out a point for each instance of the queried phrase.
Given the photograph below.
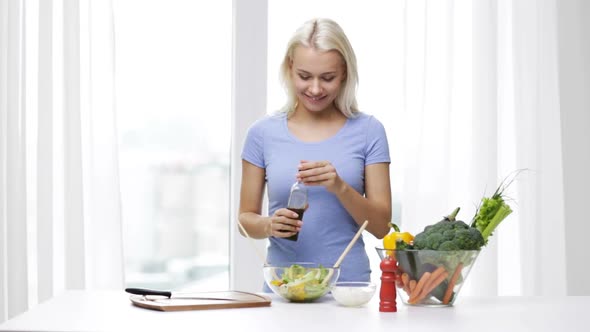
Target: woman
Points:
(321, 139)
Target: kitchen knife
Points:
(180, 296)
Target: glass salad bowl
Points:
(430, 278)
(300, 281)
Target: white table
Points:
(112, 311)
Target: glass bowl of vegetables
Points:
(430, 278)
(300, 281)
(433, 265)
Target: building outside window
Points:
(173, 90)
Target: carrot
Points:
(406, 289)
(406, 282)
(412, 285)
(452, 282)
(432, 284)
(423, 280)
(399, 283)
(435, 274)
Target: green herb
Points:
(492, 210)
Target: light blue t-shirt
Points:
(327, 226)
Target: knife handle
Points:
(143, 291)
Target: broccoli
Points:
(449, 234)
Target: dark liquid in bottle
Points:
(300, 217)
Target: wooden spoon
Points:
(251, 240)
(346, 250)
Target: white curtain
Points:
(60, 224)
(482, 100)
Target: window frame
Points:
(249, 79)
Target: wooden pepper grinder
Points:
(387, 293)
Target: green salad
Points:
(301, 284)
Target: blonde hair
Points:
(323, 35)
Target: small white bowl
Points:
(353, 293)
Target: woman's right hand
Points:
(283, 223)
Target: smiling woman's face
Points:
(317, 77)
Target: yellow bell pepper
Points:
(389, 241)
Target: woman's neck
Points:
(315, 126)
(328, 115)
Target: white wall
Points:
(574, 75)
(248, 105)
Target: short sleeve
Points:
(377, 147)
(253, 151)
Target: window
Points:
(173, 90)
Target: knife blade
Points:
(176, 296)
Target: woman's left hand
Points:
(320, 173)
